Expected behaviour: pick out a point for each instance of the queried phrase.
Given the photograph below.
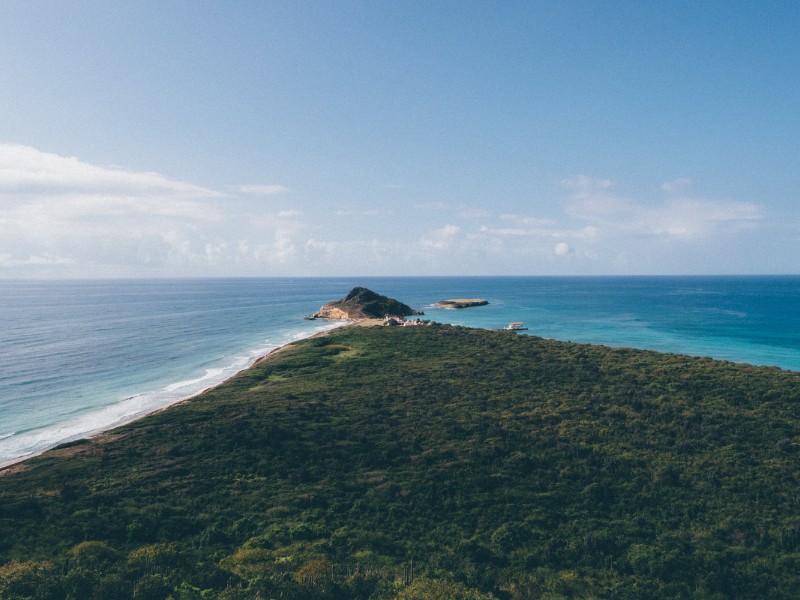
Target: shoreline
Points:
(16, 464)
(313, 455)
(97, 435)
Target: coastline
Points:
(281, 449)
(96, 435)
(619, 329)
(63, 386)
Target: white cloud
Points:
(676, 185)
(675, 217)
(284, 246)
(60, 216)
(358, 213)
(369, 256)
(602, 231)
(432, 206)
(25, 170)
(531, 227)
(448, 231)
(440, 239)
(506, 231)
(71, 216)
(584, 183)
(6, 260)
(462, 210)
(473, 213)
(263, 189)
(289, 219)
(690, 217)
(527, 221)
(562, 249)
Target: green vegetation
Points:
(428, 462)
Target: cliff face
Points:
(332, 312)
(362, 303)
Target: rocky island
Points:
(461, 303)
(362, 303)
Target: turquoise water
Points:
(80, 356)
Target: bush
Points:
(440, 589)
(93, 556)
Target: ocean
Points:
(78, 357)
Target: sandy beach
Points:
(105, 435)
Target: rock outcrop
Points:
(362, 303)
(461, 303)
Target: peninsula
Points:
(391, 463)
(362, 303)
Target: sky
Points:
(329, 138)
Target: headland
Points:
(361, 303)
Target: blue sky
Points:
(398, 138)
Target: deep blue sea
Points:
(77, 357)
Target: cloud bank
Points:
(27, 171)
(682, 217)
(64, 217)
(262, 189)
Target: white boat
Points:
(516, 326)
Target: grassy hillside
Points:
(428, 462)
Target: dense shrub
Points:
(398, 462)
